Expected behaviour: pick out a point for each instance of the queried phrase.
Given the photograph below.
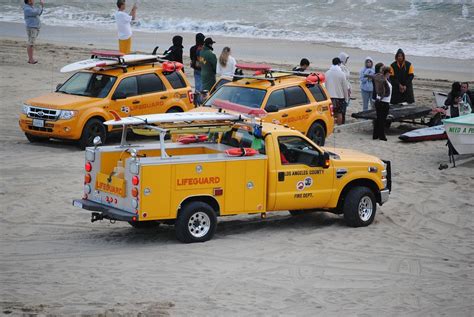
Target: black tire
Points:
(196, 222)
(174, 110)
(296, 213)
(94, 127)
(144, 224)
(35, 139)
(359, 207)
(317, 133)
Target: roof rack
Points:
(269, 73)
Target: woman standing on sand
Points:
(383, 89)
(226, 63)
(366, 86)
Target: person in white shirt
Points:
(226, 64)
(124, 27)
(344, 57)
(336, 86)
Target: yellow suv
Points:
(77, 109)
(289, 99)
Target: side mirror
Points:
(119, 95)
(271, 108)
(58, 86)
(324, 160)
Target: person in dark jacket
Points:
(467, 94)
(208, 62)
(304, 64)
(378, 69)
(454, 99)
(383, 90)
(175, 52)
(194, 53)
(401, 77)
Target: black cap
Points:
(209, 41)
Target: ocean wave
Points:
(351, 32)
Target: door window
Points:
(295, 150)
(128, 87)
(149, 83)
(277, 98)
(317, 92)
(295, 96)
(175, 80)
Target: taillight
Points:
(135, 180)
(331, 107)
(88, 167)
(135, 192)
(191, 96)
(87, 178)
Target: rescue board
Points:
(425, 134)
(108, 61)
(172, 117)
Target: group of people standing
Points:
(380, 86)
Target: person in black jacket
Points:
(383, 90)
(454, 99)
(175, 52)
(194, 53)
(401, 77)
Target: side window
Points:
(318, 92)
(295, 150)
(149, 83)
(175, 80)
(128, 87)
(295, 96)
(277, 98)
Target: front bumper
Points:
(384, 195)
(61, 129)
(101, 211)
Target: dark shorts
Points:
(339, 105)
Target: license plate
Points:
(76, 203)
(38, 123)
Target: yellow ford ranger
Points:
(251, 167)
(78, 108)
(290, 99)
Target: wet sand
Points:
(415, 259)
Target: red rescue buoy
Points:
(192, 139)
(169, 67)
(245, 151)
(315, 78)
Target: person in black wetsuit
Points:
(401, 77)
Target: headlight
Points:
(67, 114)
(25, 108)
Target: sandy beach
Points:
(416, 259)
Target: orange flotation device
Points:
(243, 151)
(192, 139)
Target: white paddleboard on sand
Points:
(424, 134)
(109, 61)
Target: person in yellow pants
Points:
(124, 27)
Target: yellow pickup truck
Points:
(248, 167)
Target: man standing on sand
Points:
(336, 85)
(33, 25)
(401, 77)
(208, 62)
(124, 27)
(194, 53)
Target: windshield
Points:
(242, 137)
(249, 97)
(88, 84)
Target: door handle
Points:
(308, 110)
(281, 176)
(136, 102)
(164, 97)
(284, 115)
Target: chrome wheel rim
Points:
(366, 208)
(199, 224)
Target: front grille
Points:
(43, 113)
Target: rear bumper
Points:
(101, 211)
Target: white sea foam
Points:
(424, 28)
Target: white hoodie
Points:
(336, 83)
(343, 56)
